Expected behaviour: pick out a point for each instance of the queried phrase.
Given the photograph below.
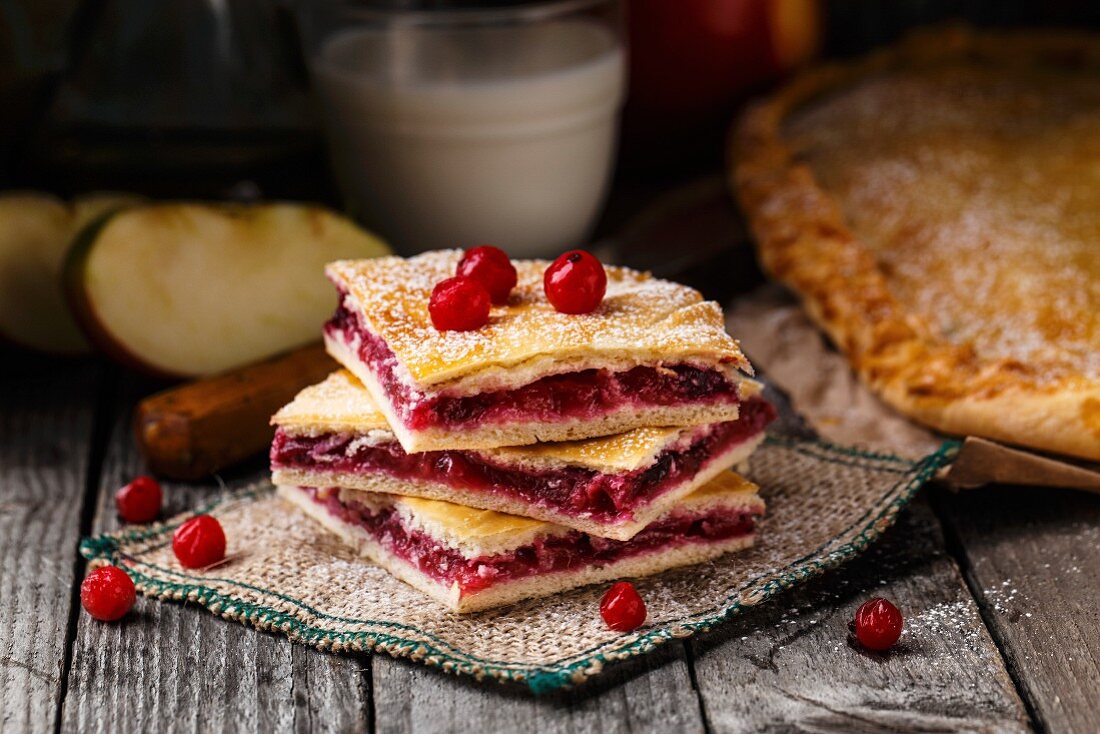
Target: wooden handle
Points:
(195, 429)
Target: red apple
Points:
(692, 61)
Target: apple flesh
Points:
(184, 290)
(36, 231)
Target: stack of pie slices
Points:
(541, 452)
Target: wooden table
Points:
(999, 588)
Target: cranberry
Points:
(622, 609)
(459, 304)
(489, 266)
(575, 282)
(140, 500)
(878, 624)
(107, 593)
(199, 542)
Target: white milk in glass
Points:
(453, 137)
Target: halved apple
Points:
(35, 233)
(184, 290)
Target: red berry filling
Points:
(622, 608)
(459, 304)
(878, 624)
(491, 267)
(199, 542)
(605, 497)
(140, 500)
(583, 395)
(575, 283)
(107, 593)
(547, 554)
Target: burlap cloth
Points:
(826, 503)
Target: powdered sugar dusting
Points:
(945, 620)
(339, 402)
(641, 318)
(978, 190)
(624, 451)
(1005, 598)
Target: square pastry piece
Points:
(653, 354)
(475, 559)
(333, 435)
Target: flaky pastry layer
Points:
(642, 321)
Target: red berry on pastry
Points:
(459, 304)
(878, 624)
(622, 609)
(107, 593)
(140, 500)
(491, 267)
(575, 282)
(199, 542)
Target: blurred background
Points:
(213, 98)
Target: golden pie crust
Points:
(936, 206)
(642, 320)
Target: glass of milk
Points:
(457, 127)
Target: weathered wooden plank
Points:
(788, 666)
(331, 694)
(1033, 558)
(169, 667)
(46, 423)
(652, 694)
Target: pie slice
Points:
(475, 559)
(653, 354)
(333, 435)
(937, 208)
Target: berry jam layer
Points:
(547, 554)
(583, 395)
(576, 491)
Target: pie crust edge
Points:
(803, 240)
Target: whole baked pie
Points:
(937, 208)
